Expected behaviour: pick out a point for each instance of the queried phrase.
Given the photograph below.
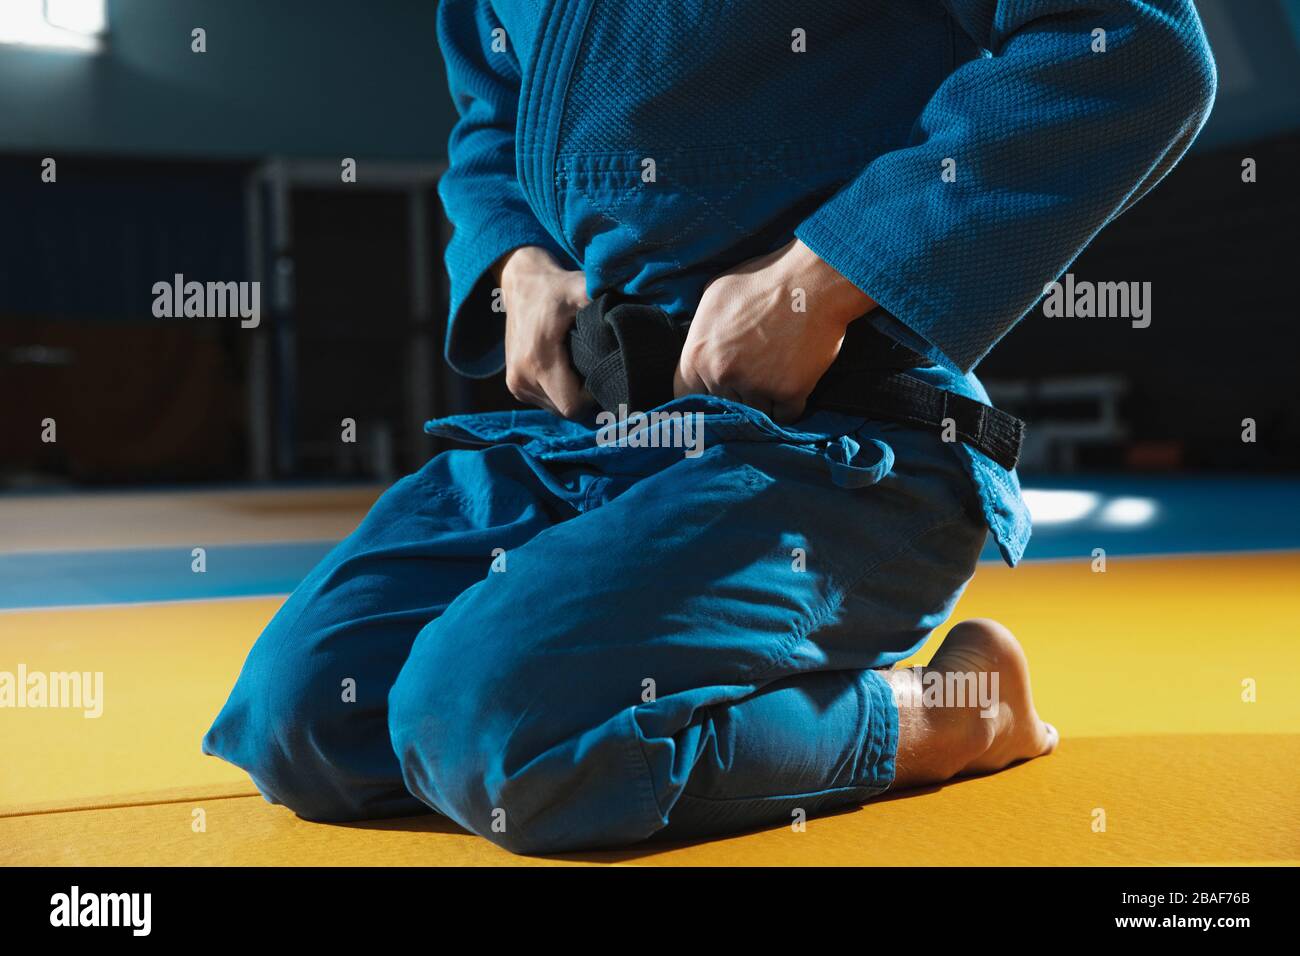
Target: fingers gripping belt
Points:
(627, 353)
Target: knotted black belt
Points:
(627, 353)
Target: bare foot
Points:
(970, 711)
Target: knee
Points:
(289, 725)
(451, 742)
(518, 754)
(469, 747)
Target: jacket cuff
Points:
(914, 310)
(475, 343)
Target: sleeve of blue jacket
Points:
(1049, 139)
(480, 191)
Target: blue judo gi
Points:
(560, 642)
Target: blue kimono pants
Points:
(562, 642)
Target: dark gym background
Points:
(224, 166)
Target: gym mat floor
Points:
(1148, 669)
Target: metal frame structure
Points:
(1056, 441)
(272, 371)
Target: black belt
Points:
(627, 353)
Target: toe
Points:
(1052, 737)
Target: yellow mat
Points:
(1141, 668)
(1185, 800)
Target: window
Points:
(64, 24)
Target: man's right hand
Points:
(541, 300)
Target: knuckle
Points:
(786, 395)
(516, 381)
(728, 373)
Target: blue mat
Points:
(1123, 515)
(1136, 516)
(58, 578)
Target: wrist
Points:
(523, 259)
(830, 296)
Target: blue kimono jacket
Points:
(949, 157)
